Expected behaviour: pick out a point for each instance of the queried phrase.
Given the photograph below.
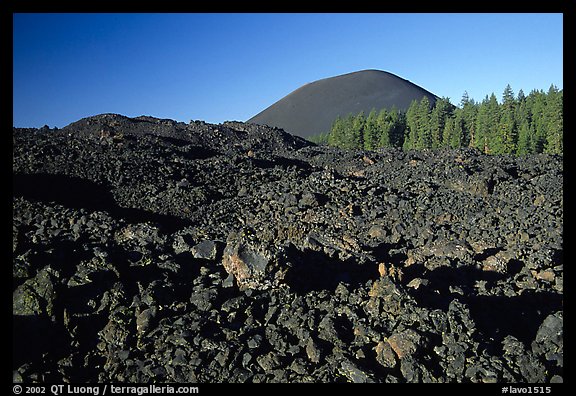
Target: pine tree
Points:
(487, 125)
(383, 129)
(441, 111)
(508, 96)
(454, 131)
(424, 131)
(480, 140)
(522, 112)
(469, 110)
(521, 96)
(525, 139)
(398, 126)
(343, 134)
(411, 126)
(448, 137)
(507, 134)
(357, 132)
(554, 116)
(320, 139)
(465, 99)
(336, 135)
(493, 112)
(370, 133)
(506, 137)
(536, 101)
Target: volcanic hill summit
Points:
(312, 108)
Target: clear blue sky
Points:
(219, 67)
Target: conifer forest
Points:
(516, 125)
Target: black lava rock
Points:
(147, 250)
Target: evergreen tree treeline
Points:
(517, 125)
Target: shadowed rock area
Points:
(147, 250)
(313, 108)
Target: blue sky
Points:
(219, 67)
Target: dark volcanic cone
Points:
(312, 108)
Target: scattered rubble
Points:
(151, 250)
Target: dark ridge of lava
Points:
(312, 108)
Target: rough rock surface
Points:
(151, 250)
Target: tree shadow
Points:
(437, 294)
(496, 316)
(315, 271)
(519, 316)
(35, 337)
(77, 193)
